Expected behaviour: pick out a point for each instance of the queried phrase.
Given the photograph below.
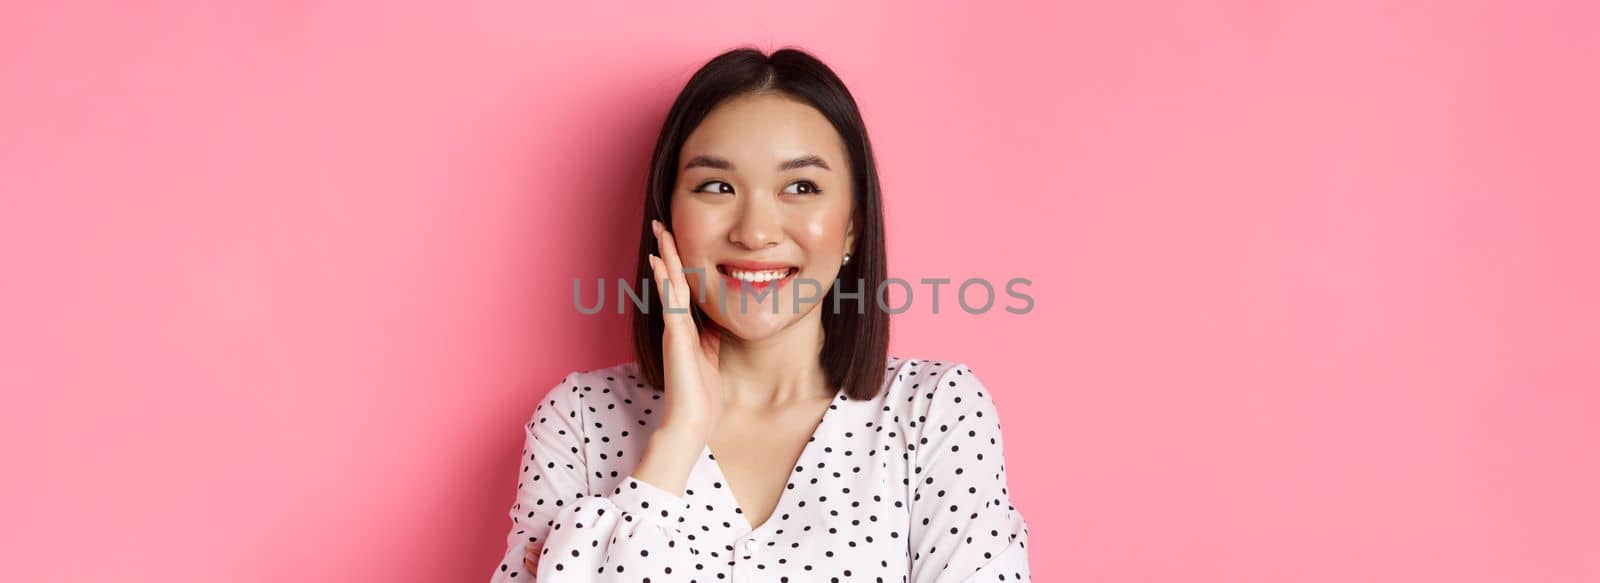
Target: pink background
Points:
(1315, 282)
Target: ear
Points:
(850, 236)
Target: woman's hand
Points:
(530, 560)
(689, 356)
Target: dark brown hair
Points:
(855, 343)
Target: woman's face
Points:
(763, 205)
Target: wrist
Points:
(669, 458)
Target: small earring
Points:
(846, 259)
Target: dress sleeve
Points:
(630, 535)
(964, 528)
(626, 534)
(552, 475)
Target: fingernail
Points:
(655, 225)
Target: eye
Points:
(803, 187)
(725, 188)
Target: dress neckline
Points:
(783, 496)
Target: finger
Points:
(662, 283)
(669, 254)
(530, 559)
(671, 270)
(664, 289)
(655, 272)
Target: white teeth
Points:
(757, 276)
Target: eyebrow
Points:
(723, 163)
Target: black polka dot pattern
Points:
(907, 487)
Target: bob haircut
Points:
(855, 336)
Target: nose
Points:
(758, 225)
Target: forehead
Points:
(765, 129)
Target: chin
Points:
(755, 326)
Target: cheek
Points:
(696, 228)
(825, 228)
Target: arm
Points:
(964, 528)
(633, 532)
(553, 475)
(578, 536)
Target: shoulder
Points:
(932, 390)
(621, 378)
(597, 388)
(944, 405)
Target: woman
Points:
(786, 444)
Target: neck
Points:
(776, 371)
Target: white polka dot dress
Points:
(909, 487)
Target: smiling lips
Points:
(758, 275)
